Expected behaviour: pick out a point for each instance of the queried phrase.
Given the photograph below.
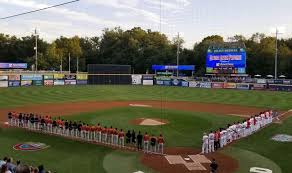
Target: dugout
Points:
(109, 74)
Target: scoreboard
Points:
(226, 61)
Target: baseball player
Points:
(116, 136)
(205, 144)
(221, 138)
(98, 133)
(121, 138)
(211, 142)
(104, 135)
(146, 143)
(153, 141)
(160, 144)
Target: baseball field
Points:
(186, 114)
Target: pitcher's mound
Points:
(149, 122)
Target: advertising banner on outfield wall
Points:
(230, 85)
(82, 76)
(167, 82)
(287, 88)
(14, 83)
(258, 86)
(147, 82)
(159, 82)
(81, 82)
(205, 85)
(176, 82)
(3, 78)
(70, 77)
(287, 82)
(70, 82)
(59, 82)
(262, 81)
(37, 83)
(48, 82)
(48, 77)
(136, 79)
(14, 77)
(185, 84)
(278, 81)
(242, 86)
(59, 76)
(28, 77)
(217, 85)
(26, 82)
(3, 84)
(194, 84)
(270, 81)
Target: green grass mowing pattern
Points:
(261, 143)
(11, 97)
(248, 159)
(123, 162)
(65, 155)
(184, 128)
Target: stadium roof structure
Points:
(227, 45)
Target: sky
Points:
(193, 19)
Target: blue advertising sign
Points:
(32, 77)
(167, 83)
(173, 67)
(159, 82)
(13, 65)
(185, 84)
(231, 62)
(14, 83)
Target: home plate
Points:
(187, 159)
(139, 105)
(6, 123)
(138, 172)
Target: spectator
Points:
(22, 169)
(10, 166)
(35, 170)
(213, 166)
(3, 162)
(41, 169)
(4, 169)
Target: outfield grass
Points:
(11, 97)
(276, 156)
(185, 129)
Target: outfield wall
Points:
(59, 79)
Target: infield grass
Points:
(11, 97)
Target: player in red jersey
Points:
(121, 138)
(160, 141)
(146, 143)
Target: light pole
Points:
(36, 50)
(177, 55)
(282, 31)
(276, 54)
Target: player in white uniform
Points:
(263, 120)
(245, 129)
(258, 122)
(205, 144)
(224, 137)
(251, 120)
(239, 130)
(221, 139)
(211, 142)
(234, 132)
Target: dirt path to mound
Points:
(81, 107)
(160, 164)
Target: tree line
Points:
(140, 49)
